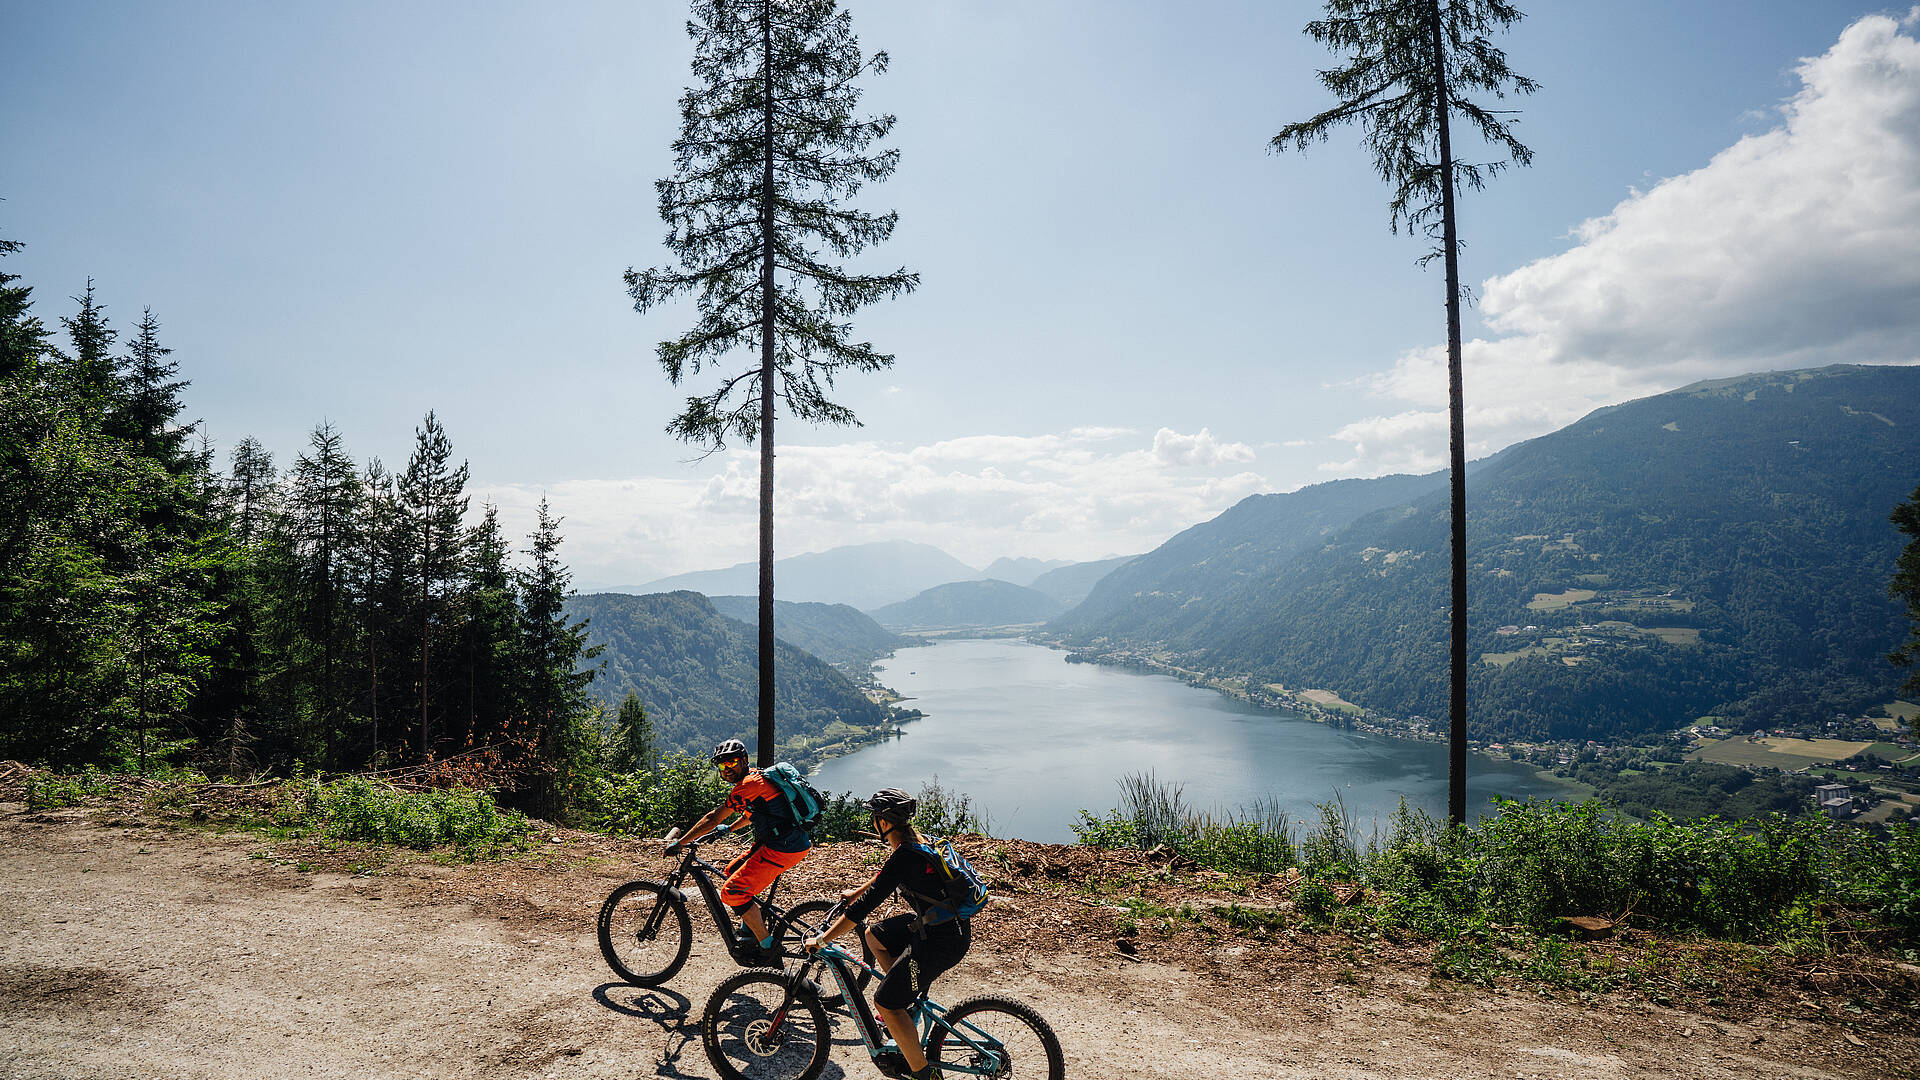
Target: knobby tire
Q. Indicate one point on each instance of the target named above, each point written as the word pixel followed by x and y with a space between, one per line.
pixel 625 915
pixel 734 1025
pixel 1031 1051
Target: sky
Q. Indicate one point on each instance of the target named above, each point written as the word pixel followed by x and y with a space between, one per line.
pixel 1131 314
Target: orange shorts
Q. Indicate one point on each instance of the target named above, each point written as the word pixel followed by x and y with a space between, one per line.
pixel 751 873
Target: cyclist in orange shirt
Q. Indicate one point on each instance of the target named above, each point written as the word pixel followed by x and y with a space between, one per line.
pixel 779 841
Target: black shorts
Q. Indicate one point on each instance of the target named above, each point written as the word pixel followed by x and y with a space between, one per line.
pixel 917 960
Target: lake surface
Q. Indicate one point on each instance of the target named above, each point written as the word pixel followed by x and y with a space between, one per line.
pixel 1034 740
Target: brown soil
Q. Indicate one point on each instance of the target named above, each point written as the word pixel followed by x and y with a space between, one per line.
pixel 136 951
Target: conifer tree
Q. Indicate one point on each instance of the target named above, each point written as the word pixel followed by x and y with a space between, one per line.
pixel 90 376
pixel 552 648
pixel 770 151
pixel 324 506
pixel 489 635
pixel 433 497
pixel 251 496
pixel 632 745
pixel 153 399
pixel 1410 66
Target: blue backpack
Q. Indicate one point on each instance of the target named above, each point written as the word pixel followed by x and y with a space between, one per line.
pixel 963 893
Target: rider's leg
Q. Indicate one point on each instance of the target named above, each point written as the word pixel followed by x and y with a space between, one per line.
pixel 756 923
pixel 900 1025
pixel 751 875
pixel 882 959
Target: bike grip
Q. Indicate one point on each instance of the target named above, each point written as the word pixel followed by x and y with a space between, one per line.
pixel 673 849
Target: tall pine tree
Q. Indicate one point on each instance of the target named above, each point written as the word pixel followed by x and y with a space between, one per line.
pixel 770 151
pixel 1410 66
pixel 433 497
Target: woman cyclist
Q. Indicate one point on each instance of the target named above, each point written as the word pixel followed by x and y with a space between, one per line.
pixel 911 949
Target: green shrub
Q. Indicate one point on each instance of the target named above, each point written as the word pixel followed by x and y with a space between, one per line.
pixel 50 790
pixel 673 794
pixel 357 808
pixel 944 812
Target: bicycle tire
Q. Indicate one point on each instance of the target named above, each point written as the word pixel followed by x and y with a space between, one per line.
pixel 802 920
pixel 625 915
pixel 1023 1037
pixel 734 1024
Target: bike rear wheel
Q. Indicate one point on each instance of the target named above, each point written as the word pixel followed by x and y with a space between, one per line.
pixel 996 1037
pixel 748 1037
pixel 645 932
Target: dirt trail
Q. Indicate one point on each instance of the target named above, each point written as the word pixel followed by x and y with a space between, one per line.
pixel 139 952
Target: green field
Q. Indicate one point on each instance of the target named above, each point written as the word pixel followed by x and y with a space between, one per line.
pixel 1676 635
pixel 1778 753
pixel 1502 659
pixel 1556 601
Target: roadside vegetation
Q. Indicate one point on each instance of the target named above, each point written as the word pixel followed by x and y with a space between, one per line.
pixel 1565 896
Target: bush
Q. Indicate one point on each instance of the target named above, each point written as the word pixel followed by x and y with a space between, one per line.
pixel 673 794
pixel 944 812
pixel 49 790
pixel 356 808
pixel 1775 880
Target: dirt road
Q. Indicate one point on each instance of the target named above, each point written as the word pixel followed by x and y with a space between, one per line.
pixel 139 952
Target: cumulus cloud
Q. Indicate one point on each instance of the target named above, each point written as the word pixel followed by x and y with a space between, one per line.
pixel 1793 248
pixel 1083 494
pixel 1172 448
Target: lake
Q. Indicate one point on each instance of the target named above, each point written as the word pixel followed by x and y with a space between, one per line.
pixel 1034 740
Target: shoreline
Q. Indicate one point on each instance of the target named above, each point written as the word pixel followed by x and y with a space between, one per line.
pixel 1346 715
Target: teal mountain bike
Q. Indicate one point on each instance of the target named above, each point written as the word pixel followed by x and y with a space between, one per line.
pixel 770 1024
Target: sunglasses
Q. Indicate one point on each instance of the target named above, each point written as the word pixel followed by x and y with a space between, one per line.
pixel 727 763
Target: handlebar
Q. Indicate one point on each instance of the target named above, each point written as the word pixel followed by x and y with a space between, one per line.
pixel 674 845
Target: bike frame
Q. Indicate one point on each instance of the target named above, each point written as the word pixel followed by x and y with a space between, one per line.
pixel 927 1014
pixel 703 874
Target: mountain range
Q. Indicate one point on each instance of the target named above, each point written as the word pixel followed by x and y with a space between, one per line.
pixel 697 673
pixel 1723 549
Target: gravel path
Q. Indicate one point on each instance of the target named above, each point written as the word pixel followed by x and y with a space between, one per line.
pixel 138 952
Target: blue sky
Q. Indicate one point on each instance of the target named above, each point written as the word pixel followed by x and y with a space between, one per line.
pixel 1131 316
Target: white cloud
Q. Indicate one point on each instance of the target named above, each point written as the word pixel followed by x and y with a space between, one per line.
pixel 1172 448
pixel 1083 494
pixel 1794 248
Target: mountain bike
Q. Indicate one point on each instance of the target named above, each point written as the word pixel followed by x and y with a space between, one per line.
pixel 770 1024
pixel 646 932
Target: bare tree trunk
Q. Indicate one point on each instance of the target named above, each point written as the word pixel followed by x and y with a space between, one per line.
pixel 1456 412
pixel 764 756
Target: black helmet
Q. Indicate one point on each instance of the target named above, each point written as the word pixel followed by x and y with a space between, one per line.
pixel 892 804
pixel 730 748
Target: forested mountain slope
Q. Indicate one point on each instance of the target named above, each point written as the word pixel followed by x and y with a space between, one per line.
pixel 1720 549
pixel 1072 583
pixel 697 673
pixel 836 633
pixel 966 604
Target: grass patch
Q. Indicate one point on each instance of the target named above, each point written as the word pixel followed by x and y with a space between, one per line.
pixel 1778 753
pixel 1675 635
pixel 1558 601
pixel 1502 659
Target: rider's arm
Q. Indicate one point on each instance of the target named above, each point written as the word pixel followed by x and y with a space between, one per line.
pixel 706 823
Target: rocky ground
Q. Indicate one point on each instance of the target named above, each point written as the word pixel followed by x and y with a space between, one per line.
pixel 137 949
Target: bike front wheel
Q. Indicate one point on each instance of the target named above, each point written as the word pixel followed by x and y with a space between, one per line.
pixel 996 1037
pixel 751 1031
pixel 801 921
pixel 645 932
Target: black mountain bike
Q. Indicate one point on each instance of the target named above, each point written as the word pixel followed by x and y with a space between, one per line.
pixel 646 932
pixel 769 1024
